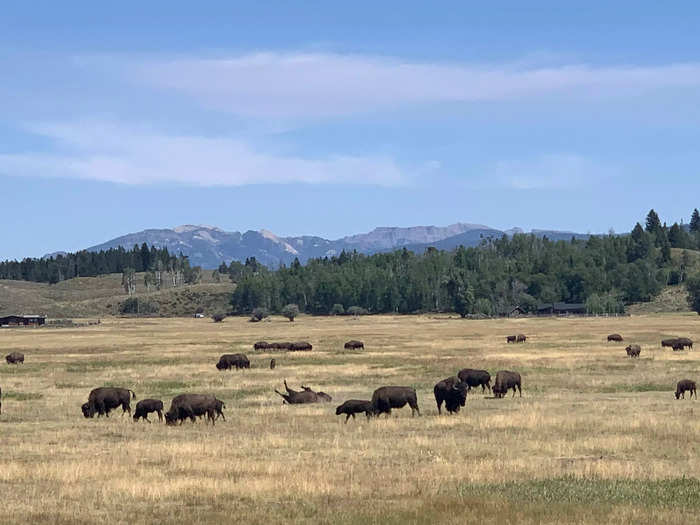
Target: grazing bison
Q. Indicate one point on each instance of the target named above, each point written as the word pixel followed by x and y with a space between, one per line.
pixel 677 346
pixel 354 345
pixel 452 392
pixel 190 406
pixel 354 406
pixel 684 341
pixel 261 345
pixel 306 395
pixel 300 346
pixel 475 378
pixel 505 380
pixel 683 386
pixel 146 406
pixel 273 363
pixel 633 350
pixel 615 337
pixel 229 361
pixel 102 400
pixel 520 338
pixel 511 338
pixel 387 397
pixel 14 358
pixel 669 342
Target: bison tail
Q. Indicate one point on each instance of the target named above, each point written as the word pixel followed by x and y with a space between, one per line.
pixel 133 394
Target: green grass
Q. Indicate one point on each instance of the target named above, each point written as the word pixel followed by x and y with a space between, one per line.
pixel 22 396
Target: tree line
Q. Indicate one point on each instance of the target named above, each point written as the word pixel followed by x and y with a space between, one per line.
pixel 603 272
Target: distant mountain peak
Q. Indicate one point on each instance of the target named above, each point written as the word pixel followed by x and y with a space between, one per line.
pixel 185 228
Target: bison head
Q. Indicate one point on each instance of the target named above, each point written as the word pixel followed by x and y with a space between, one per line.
pixel 220 365
pixel 170 417
pixel 338 410
pixel 460 390
pixel 85 407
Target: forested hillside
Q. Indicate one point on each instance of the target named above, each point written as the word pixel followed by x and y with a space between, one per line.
pixel 604 272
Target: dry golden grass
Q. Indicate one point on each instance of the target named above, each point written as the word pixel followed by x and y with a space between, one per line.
pixel 596 437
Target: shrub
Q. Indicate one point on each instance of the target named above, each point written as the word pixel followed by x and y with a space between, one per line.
pixel 337 309
pixel 290 311
pixel 258 315
pixel 134 305
pixel 693 286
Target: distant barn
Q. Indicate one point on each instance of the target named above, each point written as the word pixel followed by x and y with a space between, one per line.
pixel 22 320
pixel 561 309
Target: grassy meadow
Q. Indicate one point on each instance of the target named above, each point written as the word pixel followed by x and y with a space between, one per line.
pixel 596 438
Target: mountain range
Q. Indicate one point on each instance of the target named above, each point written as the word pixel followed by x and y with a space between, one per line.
pixel 208 246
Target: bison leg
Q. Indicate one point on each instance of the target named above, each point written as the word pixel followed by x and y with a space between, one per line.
pixel 160 415
pixel 439 405
pixel 145 416
pixel 347 416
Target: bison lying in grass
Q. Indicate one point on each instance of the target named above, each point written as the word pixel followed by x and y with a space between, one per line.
pixel 146 406
pixel 306 395
pixel 452 392
pixel 505 380
pixel 229 361
pixel 615 337
pixel 686 385
pixel 633 350
pixel 354 406
pixel 387 397
pixel 102 400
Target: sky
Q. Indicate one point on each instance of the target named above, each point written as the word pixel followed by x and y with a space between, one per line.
pixel 333 118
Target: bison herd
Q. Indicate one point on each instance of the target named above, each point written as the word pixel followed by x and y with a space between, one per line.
pixel 451 392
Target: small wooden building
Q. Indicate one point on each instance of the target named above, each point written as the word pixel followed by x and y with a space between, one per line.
pixel 22 320
pixel 561 309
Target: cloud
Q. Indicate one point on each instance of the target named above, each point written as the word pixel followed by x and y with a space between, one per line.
pixel 128 155
pixel 548 172
pixel 288 85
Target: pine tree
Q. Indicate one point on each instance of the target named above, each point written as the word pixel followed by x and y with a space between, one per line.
pixel 653 223
pixel 695 221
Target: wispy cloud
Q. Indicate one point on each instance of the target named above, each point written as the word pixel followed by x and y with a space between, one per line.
pixel 129 155
pixel 553 172
pixel 272 84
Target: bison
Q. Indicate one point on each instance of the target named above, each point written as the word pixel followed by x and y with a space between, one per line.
pixel 190 406
pixel 475 378
pixel 387 397
pixel 633 350
pixel 306 395
pixel 615 337
pixel 511 338
pixel 146 406
pixel 14 358
pixel 102 400
pixel 505 380
pixel 520 338
pixel 300 346
pixel 354 406
pixel 273 363
pixel 683 386
pixel 354 345
pixel 229 361
pixel 261 345
pixel 684 341
pixel 452 392
pixel 671 342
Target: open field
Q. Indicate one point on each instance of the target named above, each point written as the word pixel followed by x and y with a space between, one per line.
pixel 596 438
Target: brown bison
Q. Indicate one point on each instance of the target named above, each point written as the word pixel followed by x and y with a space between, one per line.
pixel 452 392
pixel 146 406
pixel 511 338
pixel 520 338
pixel 685 385
pixel 354 345
pixel 306 395
pixel 684 341
pixel 615 337
pixel 261 345
pixel 671 342
pixel 354 406
pixel 190 406
pixel 633 350
pixel 387 397
pixel 102 400
pixel 229 361
pixel 505 380
pixel 14 358
pixel 475 378
pixel 300 346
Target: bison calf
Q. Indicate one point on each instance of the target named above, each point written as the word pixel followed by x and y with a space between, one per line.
pixel 146 406
pixel 686 385
pixel 354 406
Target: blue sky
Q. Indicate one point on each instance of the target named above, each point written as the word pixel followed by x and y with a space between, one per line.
pixel 317 118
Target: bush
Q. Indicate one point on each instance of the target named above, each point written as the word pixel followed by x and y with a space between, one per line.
pixel 258 315
pixel 357 310
pixel 134 305
pixel 217 318
pixel 290 311
pixel 337 309
pixel 693 286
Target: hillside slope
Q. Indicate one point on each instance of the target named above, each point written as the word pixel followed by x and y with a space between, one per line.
pixel 100 296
